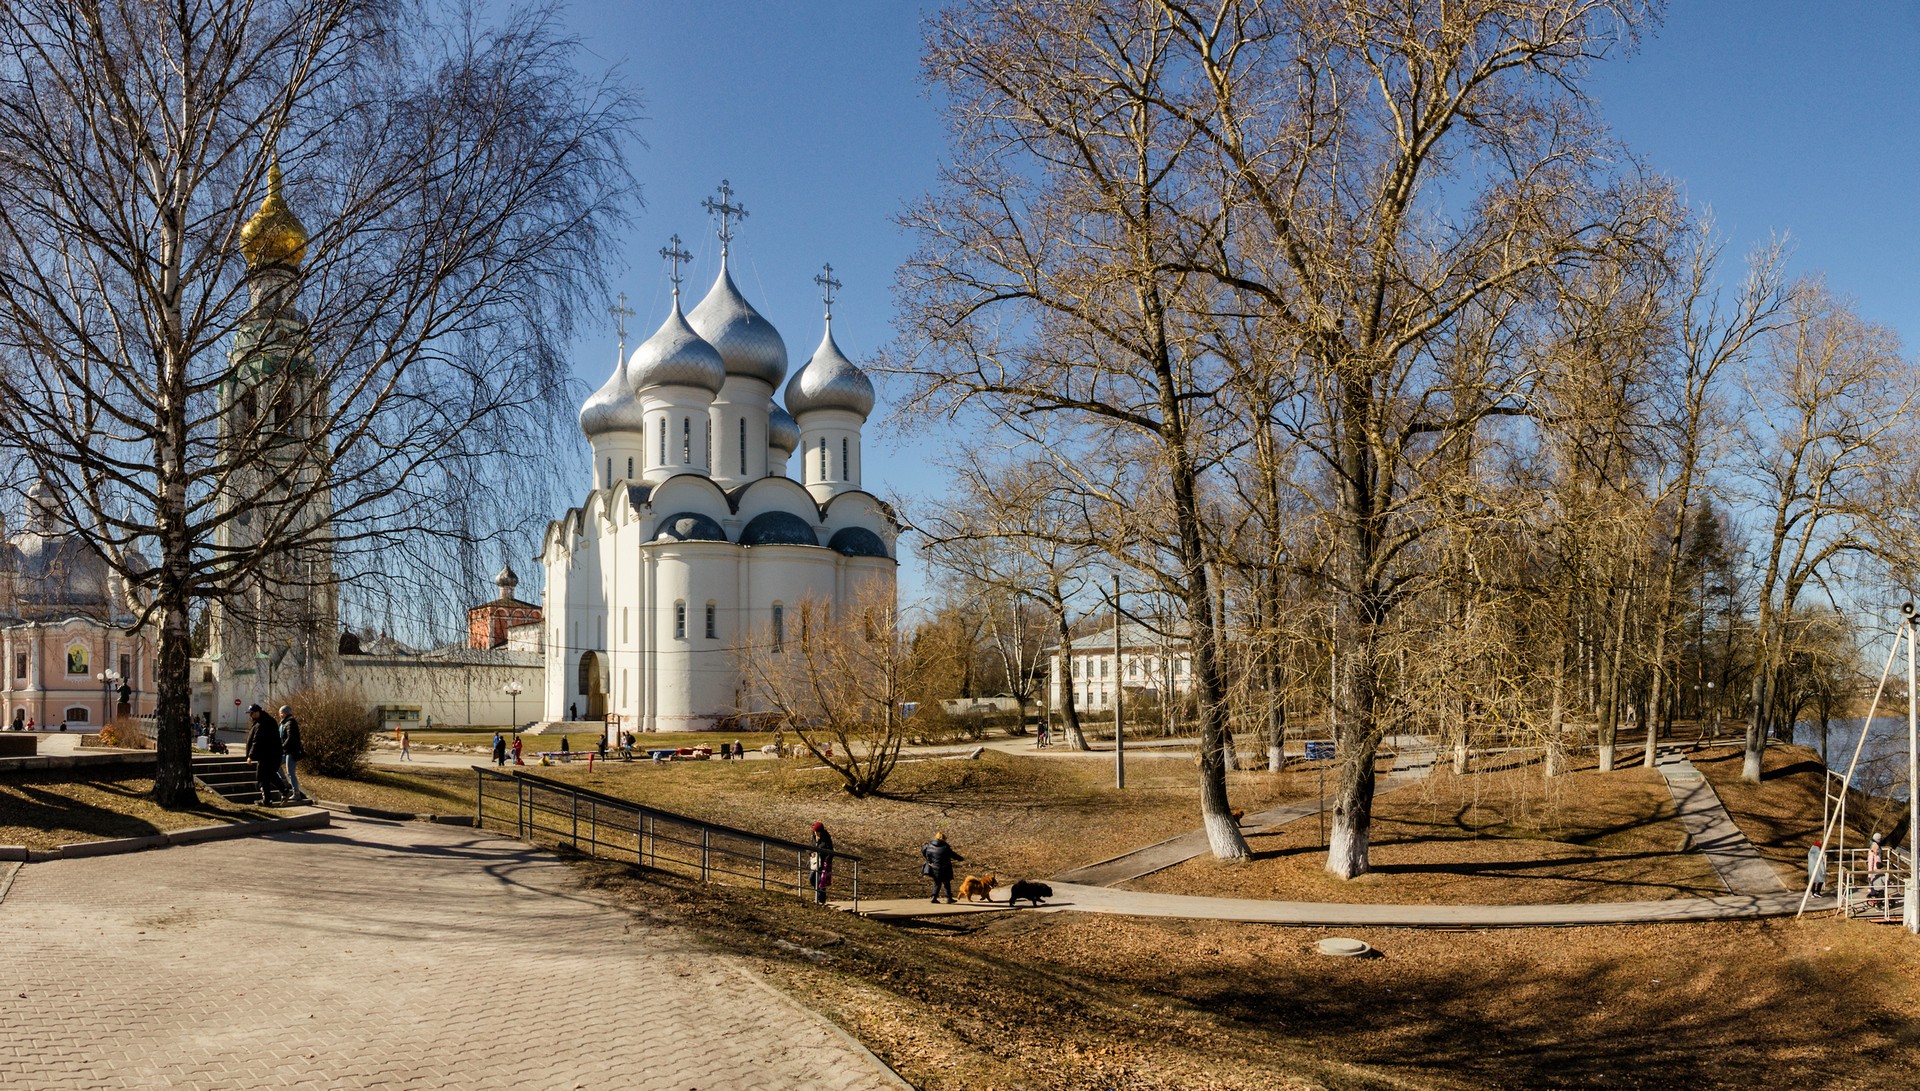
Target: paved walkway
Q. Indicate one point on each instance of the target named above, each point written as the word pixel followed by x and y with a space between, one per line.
pixel 1739 865
pixel 1413 760
pixel 1135 903
pixel 379 954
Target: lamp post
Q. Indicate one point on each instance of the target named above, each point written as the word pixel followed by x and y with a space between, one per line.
pixel 107 678
pixel 513 690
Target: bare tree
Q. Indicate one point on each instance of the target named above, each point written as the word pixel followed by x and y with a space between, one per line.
pixel 1827 452
pixel 839 683
pixel 214 424
pixel 1007 525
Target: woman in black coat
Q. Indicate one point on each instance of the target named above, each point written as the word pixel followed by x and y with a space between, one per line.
pixel 822 862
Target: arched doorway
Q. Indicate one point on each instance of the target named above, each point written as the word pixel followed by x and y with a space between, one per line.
pixel 593 685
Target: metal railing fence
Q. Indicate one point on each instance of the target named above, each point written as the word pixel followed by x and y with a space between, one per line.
pixel 605 826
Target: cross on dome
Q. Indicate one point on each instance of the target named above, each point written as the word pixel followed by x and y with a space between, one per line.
pixel 828 286
pixel 727 212
pixel 621 312
pixel 675 254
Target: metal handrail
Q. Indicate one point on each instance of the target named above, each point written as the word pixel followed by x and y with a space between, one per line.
pixel 607 826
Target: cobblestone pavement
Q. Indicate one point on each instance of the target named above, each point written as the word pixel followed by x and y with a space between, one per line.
pixel 376 954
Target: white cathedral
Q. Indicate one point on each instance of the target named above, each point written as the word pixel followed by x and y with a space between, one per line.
pixel 693 541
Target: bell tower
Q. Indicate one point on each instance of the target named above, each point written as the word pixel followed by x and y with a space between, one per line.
pixel 279 630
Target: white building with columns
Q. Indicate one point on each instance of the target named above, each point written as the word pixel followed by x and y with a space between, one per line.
pixel 692 540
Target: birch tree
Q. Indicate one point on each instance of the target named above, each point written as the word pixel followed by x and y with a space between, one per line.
pixel 447 188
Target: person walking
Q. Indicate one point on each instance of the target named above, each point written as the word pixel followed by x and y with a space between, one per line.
pixel 822 862
pixel 499 750
pixel 263 750
pixel 1816 869
pixel 516 751
pixel 291 751
pixel 1876 874
pixel 406 745
pixel 937 860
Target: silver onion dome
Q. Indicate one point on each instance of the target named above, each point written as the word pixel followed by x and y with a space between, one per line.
pixel 676 356
pixel 748 343
pixel 783 432
pixel 829 381
pixel 614 407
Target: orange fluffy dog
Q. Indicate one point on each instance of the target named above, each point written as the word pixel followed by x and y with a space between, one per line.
pixel 980 885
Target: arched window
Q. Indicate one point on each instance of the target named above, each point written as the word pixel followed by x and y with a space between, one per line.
pixel 623 685
pixel 823 459
pixel 846 464
pixel 713 621
pixel 586 674
pixel 743 446
pixel 679 621
pixel 686 440
pixel 623 625
pixel 779 626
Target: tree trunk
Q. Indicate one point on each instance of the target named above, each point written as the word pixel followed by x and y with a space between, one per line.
pixel 1069 711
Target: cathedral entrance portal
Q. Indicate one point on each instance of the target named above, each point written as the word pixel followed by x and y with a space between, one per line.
pixel 593 684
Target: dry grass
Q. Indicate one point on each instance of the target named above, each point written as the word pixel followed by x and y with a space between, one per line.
pixel 427 791
pixel 1084 1002
pixel 44 810
pixel 1502 837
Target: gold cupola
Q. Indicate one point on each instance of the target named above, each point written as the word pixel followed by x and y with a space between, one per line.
pixel 274 236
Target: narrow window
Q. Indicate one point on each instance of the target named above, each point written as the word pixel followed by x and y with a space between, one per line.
pixel 1105 664
pixel 663 441
pixel 823 460
pixel 686 439
pixel 743 446
pixel 609 479
pixel 623 685
pixel 846 468
pixel 629 469
pixel 623 625
pixel 126 668
pixel 679 621
pixel 706 438
pixel 20 665
pixel 713 622
pixel 779 626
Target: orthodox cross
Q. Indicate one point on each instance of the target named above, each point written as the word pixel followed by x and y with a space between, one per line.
pixel 728 213
pixel 621 312
pixel 675 254
pixel 828 286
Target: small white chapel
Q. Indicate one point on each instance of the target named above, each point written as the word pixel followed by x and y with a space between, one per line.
pixel 693 539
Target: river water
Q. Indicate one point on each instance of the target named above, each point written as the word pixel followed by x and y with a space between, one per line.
pixel 1883 760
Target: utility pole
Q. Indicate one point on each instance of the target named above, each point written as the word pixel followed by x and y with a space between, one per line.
pixel 1910 909
pixel 1119 734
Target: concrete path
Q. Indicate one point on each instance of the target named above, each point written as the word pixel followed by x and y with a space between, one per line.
pixel 380 954
pixel 1413 760
pixel 1134 903
pixel 1739 865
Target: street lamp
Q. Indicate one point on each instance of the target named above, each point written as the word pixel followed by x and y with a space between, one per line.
pixel 106 679
pixel 513 690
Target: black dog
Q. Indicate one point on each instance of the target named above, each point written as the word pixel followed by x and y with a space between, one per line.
pixel 1031 891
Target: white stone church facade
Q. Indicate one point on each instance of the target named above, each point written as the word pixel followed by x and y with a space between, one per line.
pixel 692 542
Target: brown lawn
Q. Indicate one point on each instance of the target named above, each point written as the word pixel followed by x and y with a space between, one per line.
pixel 49 808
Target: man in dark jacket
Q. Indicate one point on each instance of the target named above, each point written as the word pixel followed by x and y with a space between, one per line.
pixel 291 751
pixel 938 859
pixel 263 749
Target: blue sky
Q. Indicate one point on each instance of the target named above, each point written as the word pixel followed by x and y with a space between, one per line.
pixel 1782 116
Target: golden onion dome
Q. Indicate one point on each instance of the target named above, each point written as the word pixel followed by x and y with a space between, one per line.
pixel 274 236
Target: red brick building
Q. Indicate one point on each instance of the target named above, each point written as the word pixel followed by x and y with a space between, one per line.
pixel 487 624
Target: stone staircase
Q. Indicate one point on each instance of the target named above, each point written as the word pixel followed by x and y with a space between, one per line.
pixel 229 776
